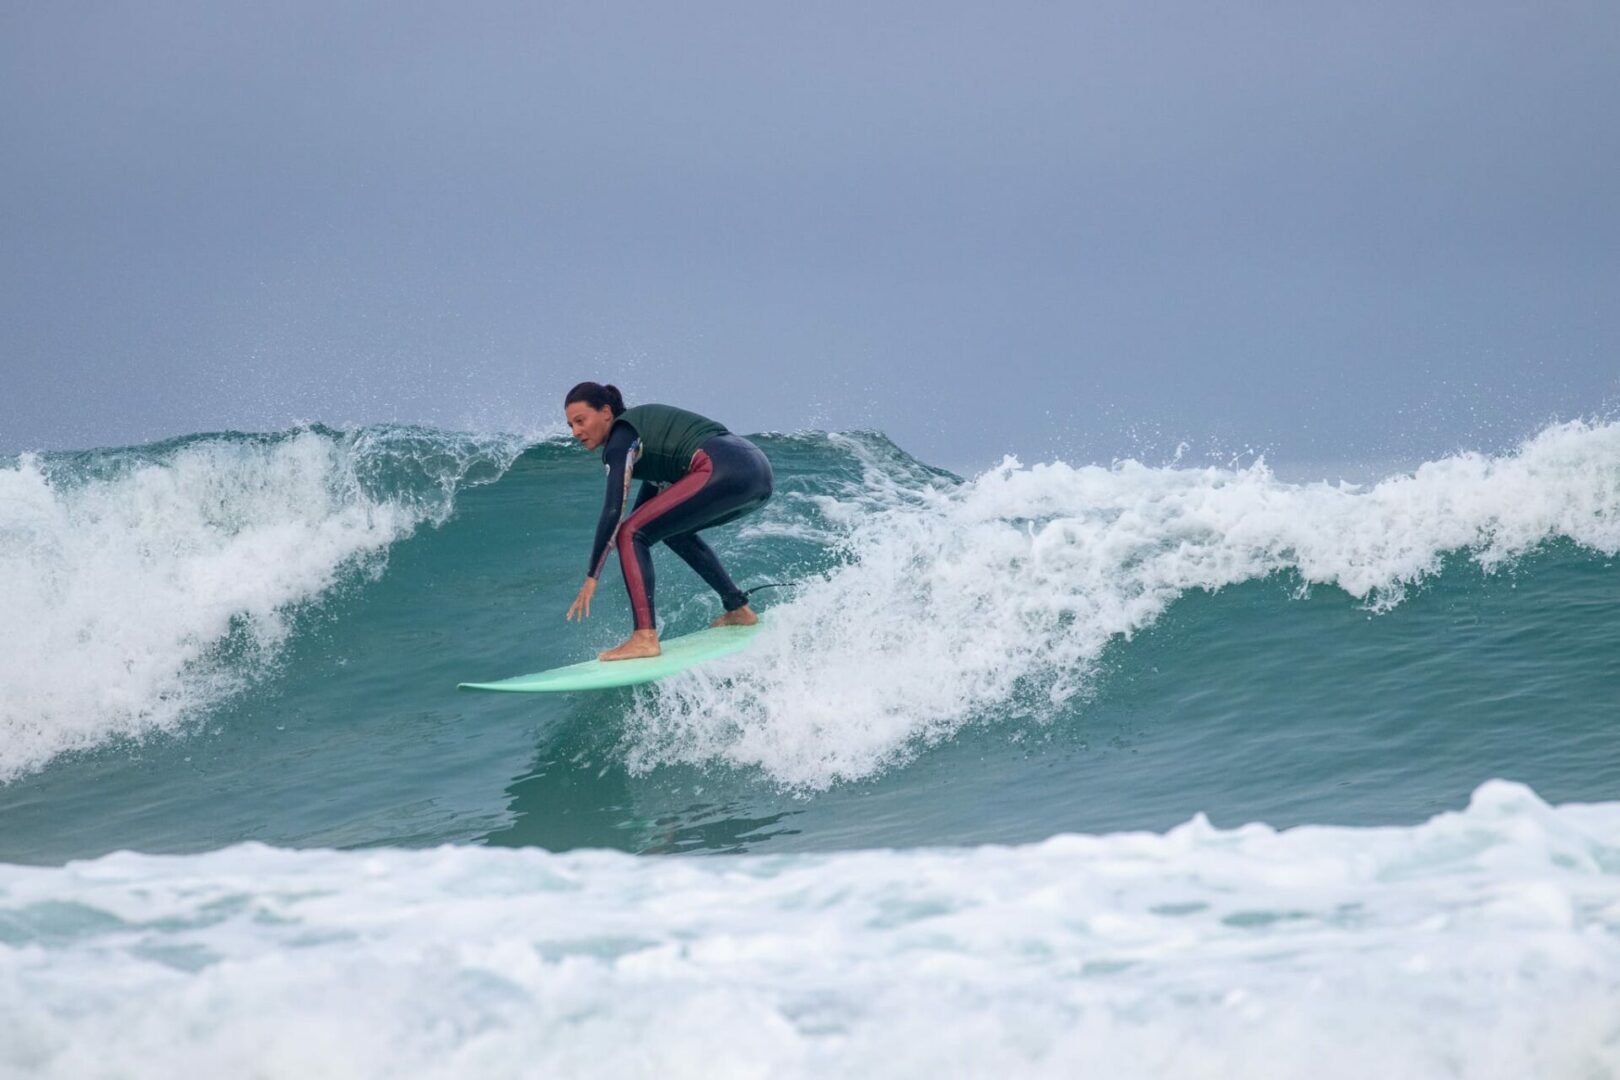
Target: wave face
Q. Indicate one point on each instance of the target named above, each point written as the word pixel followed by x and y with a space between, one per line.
pixel 146 585
pixel 1481 943
pixel 201 634
pixel 958 601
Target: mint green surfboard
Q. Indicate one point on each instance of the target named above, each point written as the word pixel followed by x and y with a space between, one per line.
pixel 679 654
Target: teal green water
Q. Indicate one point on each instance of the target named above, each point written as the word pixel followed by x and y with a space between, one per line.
pixel 1259 700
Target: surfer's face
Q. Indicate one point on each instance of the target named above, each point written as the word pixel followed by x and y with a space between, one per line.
pixel 590 426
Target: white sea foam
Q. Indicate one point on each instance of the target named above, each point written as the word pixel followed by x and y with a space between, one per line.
pixel 954 599
pixel 1484 943
pixel 120 590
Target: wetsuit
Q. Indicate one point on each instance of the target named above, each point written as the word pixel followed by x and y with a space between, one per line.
pixel 695 475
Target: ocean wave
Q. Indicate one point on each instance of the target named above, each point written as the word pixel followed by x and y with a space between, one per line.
pixel 951 599
pixel 147 586
pixel 1482 943
pixel 144 585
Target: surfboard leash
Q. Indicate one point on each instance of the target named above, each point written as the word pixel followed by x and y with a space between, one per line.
pixel 768 585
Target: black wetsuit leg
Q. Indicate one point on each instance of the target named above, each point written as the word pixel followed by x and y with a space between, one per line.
pixel 730 476
pixel 697 554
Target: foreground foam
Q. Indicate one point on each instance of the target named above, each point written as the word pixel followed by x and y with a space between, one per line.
pixel 1007 588
pixel 1482 943
pixel 144 585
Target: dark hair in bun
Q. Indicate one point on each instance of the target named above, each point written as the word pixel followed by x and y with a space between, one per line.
pixel 596 395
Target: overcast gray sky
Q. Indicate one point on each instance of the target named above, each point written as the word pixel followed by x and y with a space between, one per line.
pixel 1081 230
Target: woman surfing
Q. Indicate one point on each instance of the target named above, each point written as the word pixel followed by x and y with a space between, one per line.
pixel 694 475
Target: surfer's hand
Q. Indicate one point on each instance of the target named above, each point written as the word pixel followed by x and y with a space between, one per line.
pixel 582 603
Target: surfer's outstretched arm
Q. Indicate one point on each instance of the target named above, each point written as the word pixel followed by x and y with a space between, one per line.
pixel 619 453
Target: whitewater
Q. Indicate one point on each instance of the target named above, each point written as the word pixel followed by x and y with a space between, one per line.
pixel 1127 768
pixel 1485 943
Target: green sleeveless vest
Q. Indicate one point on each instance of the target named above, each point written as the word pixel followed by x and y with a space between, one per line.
pixel 669 438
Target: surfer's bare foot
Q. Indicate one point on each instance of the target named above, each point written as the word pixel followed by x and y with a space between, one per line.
pixel 743 616
pixel 641 643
